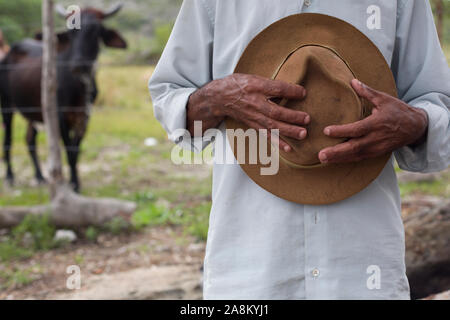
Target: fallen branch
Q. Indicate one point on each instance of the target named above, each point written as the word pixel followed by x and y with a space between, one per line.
pixel 70 210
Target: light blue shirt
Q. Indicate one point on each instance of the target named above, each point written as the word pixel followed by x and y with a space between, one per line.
pixel 263 247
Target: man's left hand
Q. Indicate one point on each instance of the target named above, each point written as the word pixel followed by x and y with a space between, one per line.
pixel 392 125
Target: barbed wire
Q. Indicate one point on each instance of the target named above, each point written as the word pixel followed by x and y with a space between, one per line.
pixel 104 148
pixel 36 109
pixel 11 66
pixel 38 27
pixel 59 25
pixel 65 109
pixel 66 148
pixel 26 110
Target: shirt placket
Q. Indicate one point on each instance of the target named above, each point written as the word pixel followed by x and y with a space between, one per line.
pixel 315 223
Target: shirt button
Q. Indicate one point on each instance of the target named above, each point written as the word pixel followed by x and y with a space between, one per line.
pixel 315 273
pixel 307 3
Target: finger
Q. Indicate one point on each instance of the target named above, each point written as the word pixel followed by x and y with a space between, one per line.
pixel 350 130
pixel 349 151
pixel 287 130
pixel 367 92
pixel 277 112
pixel 281 89
pixel 280 143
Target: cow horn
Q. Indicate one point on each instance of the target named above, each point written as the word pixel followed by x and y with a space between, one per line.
pixel 59 8
pixel 112 11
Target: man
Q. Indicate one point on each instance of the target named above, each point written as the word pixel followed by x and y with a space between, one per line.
pixel 263 247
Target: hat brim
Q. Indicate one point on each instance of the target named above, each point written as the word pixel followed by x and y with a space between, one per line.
pixel 331 183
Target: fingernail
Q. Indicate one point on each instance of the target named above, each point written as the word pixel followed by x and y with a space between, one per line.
pixel 307 119
pixel 287 149
pixel 323 157
pixel 303 134
pixel 357 82
pixel 327 131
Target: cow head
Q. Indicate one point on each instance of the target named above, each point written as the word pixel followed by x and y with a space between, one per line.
pixel 82 46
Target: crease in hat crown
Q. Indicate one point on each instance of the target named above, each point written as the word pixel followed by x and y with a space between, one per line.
pixel 330 99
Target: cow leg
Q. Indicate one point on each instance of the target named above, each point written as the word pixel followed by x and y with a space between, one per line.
pixel 73 153
pixel 72 145
pixel 32 149
pixel 7 116
pixel 73 161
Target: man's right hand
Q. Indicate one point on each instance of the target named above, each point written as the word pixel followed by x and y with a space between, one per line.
pixel 247 98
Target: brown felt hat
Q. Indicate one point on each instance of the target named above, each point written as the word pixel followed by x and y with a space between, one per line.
pixel 323 54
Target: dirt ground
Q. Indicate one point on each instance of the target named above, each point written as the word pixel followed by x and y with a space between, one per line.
pixel 159 263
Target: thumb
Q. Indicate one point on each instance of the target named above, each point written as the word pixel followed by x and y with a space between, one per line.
pixel 367 92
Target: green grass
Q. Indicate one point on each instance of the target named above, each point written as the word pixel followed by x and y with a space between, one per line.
pixel 26 196
pixel 12 277
pixel 195 220
pixel 33 234
pixel 9 250
pixel 440 188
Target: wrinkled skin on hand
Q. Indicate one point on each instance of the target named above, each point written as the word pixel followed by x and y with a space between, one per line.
pixel 247 98
pixel 392 125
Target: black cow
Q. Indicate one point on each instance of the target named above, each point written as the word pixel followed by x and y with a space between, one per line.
pixel 20 85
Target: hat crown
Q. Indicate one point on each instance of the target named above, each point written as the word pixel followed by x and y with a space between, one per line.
pixel 330 99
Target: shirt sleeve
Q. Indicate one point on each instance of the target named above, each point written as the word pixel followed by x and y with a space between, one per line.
pixel 423 81
pixel 185 66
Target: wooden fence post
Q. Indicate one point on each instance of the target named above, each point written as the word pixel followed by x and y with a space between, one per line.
pixel 49 97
